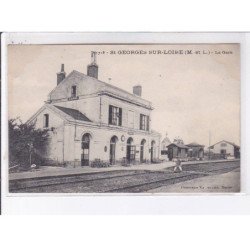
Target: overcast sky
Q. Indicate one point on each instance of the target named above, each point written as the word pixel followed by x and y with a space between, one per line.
pixel 191 94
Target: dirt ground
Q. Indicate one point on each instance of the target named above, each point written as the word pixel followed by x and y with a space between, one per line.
pixel 227 182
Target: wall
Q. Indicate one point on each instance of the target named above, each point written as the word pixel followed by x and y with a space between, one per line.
pixel 126 108
pixel 85 86
pixel 217 148
pixel 91 104
pixel 100 138
pixel 54 152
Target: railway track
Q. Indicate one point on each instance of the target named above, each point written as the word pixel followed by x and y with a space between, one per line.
pixel 143 187
pixel 119 181
pixel 59 180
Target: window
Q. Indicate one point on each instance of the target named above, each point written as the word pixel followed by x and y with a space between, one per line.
pixel 73 91
pixel 115 115
pixel 144 122
pixel 46 120
pixel 132 152
pixel 223 144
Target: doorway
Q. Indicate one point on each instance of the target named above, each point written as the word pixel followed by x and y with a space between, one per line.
pixel 142 151
pixel 113 142
pixel 85 150
pixel 152 151
pixel 130 151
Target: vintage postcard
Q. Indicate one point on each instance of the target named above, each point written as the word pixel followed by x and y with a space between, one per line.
pixel 124 118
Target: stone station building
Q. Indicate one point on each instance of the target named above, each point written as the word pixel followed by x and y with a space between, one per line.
pixel 90 120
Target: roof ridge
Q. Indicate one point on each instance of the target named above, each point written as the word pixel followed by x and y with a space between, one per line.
pixel 111 85
pixel 232 143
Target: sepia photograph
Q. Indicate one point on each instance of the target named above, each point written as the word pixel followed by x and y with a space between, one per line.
pixel 124 118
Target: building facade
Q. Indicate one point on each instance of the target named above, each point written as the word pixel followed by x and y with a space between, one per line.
pixel 195 151
pixel 225 149
pixel 176 150
pixel 165 142
pixel 90 120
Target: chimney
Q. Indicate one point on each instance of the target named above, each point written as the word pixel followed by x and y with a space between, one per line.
pixel 137 90
pixel 61 75
pixel 92 69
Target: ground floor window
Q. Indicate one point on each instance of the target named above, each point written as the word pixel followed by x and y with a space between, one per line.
pixel 131 150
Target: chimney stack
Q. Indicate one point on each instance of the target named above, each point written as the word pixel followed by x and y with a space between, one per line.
pixel 137 90
pixel 92 69
pixel 61 75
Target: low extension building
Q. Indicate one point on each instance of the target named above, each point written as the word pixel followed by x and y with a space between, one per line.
pixel 224 149
pixel 195 151
pixel 91 120
pixel 177 150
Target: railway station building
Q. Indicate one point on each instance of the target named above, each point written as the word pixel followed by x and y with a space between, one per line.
pixel 90 120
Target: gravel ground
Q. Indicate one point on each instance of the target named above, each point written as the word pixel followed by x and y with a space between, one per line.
pixel 136 181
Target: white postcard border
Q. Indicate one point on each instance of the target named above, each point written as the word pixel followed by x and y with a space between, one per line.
pixel 130 204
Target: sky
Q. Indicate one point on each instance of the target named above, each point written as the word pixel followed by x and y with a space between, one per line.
pixel 192 94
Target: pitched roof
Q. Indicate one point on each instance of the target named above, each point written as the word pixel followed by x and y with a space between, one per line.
pixel 75 114
pixel 194 144
pixel 178 145
pixel 166 140
pixel 106 87
pixel 233 144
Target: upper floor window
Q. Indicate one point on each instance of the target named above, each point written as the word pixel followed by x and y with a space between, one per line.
pixel 73 91
pixel 223 144
pixel 46 120
pixel 144 122
pixel 115 115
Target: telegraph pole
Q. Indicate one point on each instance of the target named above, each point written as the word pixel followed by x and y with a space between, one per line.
pixel 209 145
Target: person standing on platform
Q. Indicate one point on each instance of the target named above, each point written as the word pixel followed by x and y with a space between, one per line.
pixel 178 167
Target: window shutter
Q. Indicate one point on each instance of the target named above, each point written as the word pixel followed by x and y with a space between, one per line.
pixel 140 121
pixel 120 116
pixel 110 114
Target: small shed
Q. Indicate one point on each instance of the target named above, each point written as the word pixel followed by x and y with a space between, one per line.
pixel 177 150
pixel 195 150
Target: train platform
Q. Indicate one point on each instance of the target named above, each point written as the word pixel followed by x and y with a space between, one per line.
pixel 52 171
pixel 46 171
